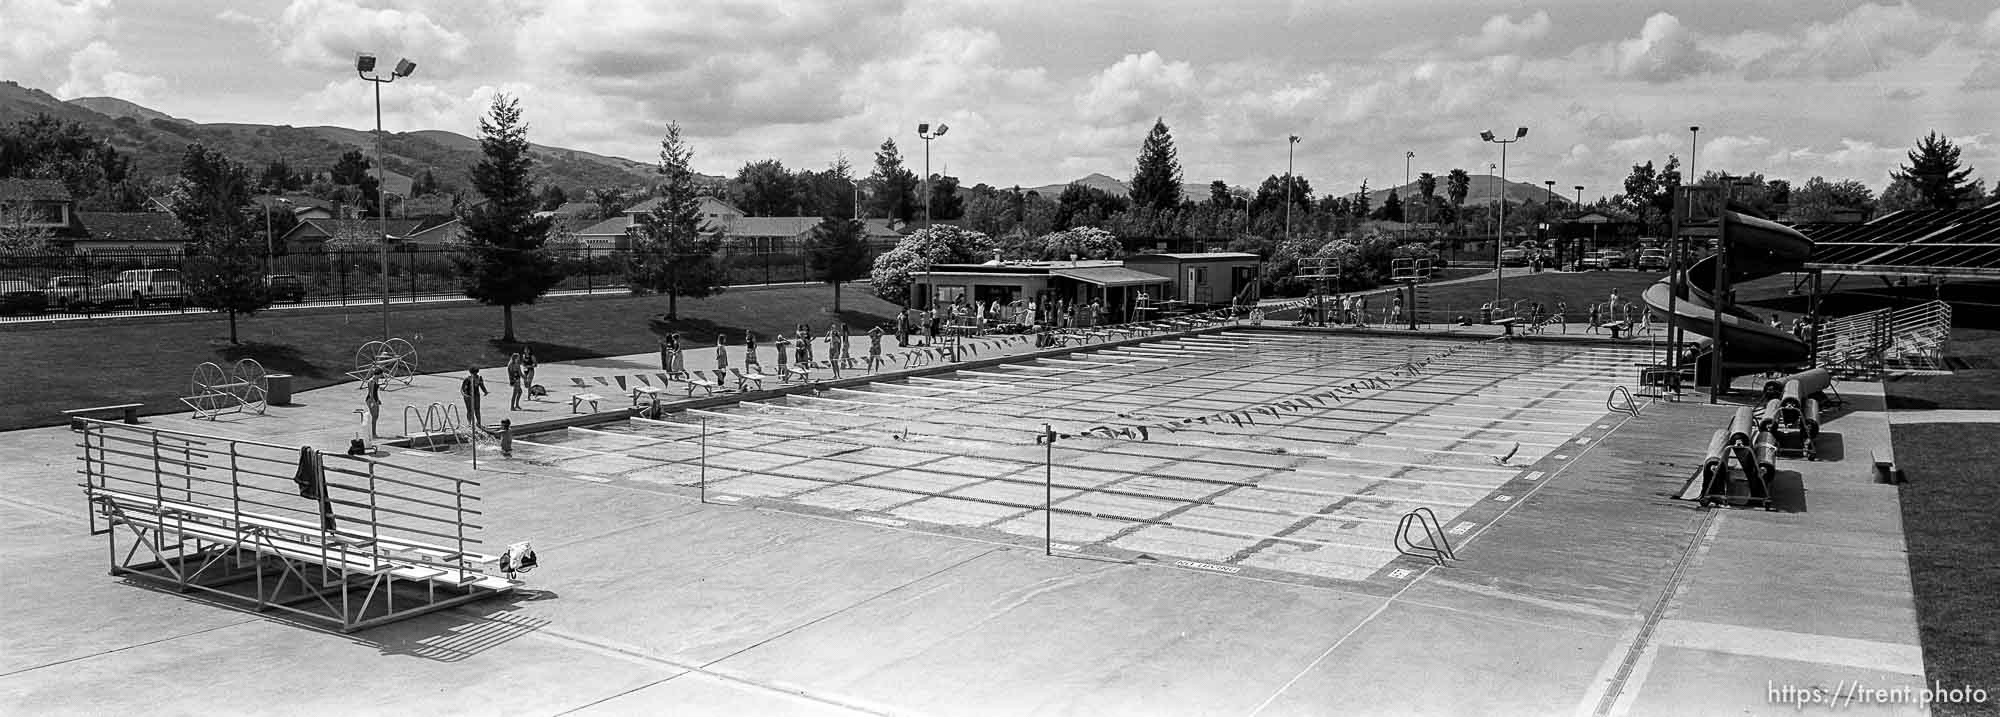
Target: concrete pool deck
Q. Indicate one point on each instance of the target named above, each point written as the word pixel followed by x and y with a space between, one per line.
pixel 1588 592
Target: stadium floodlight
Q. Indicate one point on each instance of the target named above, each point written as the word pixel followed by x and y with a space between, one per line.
pixel 405 67
pixel 364 63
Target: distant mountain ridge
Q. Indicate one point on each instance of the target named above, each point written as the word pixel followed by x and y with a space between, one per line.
pixel 155 141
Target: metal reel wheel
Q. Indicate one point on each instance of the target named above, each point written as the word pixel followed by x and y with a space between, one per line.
pixel 258 388
pixel 206 375
pixel 365 357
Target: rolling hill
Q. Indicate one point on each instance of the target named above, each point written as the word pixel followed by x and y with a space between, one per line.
pixel 155 141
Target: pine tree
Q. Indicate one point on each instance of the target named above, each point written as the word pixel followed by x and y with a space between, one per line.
pixel 1935 172
pixel 506 262
pixel 1156 182
pixel 222 272
pixel 837 253
pixel 895 187
pixel 670 253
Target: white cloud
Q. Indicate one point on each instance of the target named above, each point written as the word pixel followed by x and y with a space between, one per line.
pixel 1985 76
pixel 1501 33
pixel 1664 51
pixel 327 34
pixel 93 71
pixel 1866 39
pixel 1137 88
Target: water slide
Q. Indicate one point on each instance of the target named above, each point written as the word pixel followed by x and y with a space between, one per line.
pixel 1757 248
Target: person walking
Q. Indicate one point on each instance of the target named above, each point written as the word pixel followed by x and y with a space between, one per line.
pixel 1395 313
pixel 903 328
pixel 528 364
pixel 721 360
pixel 874 348
pixel 371 399
pixel 846 345
pixel 514 381
pixel 471 388
pixel 924 322
pixel 805 357
pixel 1595 318
pixel 1361 310
pixel 679 362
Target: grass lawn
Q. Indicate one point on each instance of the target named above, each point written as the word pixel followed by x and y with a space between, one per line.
pixel 77 364
pixel 1578 289
pixel 1951 515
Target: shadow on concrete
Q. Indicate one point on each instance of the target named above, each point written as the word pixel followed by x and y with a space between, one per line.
pixel 1829 447
pixel 275 358
pixel 1788 492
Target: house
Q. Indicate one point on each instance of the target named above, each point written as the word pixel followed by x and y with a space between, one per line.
pixel 129 233
pixel 615 232
pixel 1202 278
pixel 36 203
pixel 440 233
pixel 319 235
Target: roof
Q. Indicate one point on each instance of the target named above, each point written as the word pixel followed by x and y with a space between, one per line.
pixel 1200 256
pixel 33 190
pixel 771 226
pixel 131 227
pixel 364 229
pixel 1932 241
pixel 1109 276
pixel 615 226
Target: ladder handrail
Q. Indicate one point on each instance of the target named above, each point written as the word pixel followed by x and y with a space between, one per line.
pixel 1610 401
pixel 1437 548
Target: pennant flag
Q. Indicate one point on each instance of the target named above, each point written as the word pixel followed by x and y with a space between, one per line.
pixel 1237 419
pixel 1202 419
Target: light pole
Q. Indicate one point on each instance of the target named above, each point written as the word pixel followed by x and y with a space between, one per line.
pixel 1579 199
pixel 1407 156
pixel 363 65
pixel 1290 142
pixel 1500 232
pixel 924 130
pixel 1694 144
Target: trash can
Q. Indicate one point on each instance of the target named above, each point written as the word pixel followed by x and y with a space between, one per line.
pixel 1486 313
pixel 279 389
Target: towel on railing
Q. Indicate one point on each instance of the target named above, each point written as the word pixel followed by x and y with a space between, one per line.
pixel 311 479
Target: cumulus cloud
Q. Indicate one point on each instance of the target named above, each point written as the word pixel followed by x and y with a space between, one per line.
pixel 1866 39
pixel 1136 88
pixel 1664 51
pixel 1501 33
pixel 94 70
pixel 327 34
pixel 1986 76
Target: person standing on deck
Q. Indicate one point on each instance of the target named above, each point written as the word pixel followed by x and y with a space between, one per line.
pixel 783 345
pixel 750 362
pixel 903 328
pixel 874 348
pixel 833 357
pixel 470 389
pixel 528 364
pixel 371 398
pixel 514 381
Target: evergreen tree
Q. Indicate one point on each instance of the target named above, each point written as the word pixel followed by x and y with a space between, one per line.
pixel 1392 208
pixel 1156 182
pixel 1427 187
pixel 507 261
pixel 277 178
pixel 1935 172
pixel 946 204
pixel 670 254
pixel 354 170
pixel 1218 194
pixel 837 254
pixel 427 184
pixel 895 187
pixel 764 188
pixel 222 272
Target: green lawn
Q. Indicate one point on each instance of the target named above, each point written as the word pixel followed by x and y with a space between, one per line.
pixel 1951 515
pixel 1578 289
pixel 77 364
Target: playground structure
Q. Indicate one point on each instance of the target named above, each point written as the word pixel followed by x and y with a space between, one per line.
pixel 214 391
pixel 395 358
pixel 346 541
pixel 1700 299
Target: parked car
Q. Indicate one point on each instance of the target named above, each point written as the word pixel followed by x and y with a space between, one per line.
pixel 22 297
pixel 69 293
pixel 1612 259
pixel 141 287
pixel 1513 257
pixel 1590 260
pixel 1652 260
pixel 285 287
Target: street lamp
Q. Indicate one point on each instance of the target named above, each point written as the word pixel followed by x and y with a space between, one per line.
pixel 1500 232
pixel 364 64
pixel 925 131
pixel 1579 198
pixel 1694 142
pixel 1292 141
pixel 1407 156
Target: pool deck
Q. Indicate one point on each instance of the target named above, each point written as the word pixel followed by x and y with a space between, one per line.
pixel 1591 592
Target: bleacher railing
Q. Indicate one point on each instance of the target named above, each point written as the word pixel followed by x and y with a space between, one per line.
pixel 201 504
pixel 1869 340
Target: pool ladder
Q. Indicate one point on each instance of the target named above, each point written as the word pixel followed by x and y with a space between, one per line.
pixel 1612 402
pixel 435 420
pixel 1435 548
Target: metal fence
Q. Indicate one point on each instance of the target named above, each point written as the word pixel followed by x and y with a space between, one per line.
pixel 338 277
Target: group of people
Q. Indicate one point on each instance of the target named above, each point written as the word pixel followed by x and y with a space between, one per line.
pixel 1352 310
pixel 837 345
pixel 471 389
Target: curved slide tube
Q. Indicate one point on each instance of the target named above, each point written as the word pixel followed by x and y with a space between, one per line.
pixel 1757 248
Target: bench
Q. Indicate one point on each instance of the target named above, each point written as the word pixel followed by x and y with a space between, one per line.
pixel 744 379
pixel 1617 327
pixel 1507 324
pixel 130 411
pixel 797 372
pixel 576 401
pixel 295 531
pixel 1884 466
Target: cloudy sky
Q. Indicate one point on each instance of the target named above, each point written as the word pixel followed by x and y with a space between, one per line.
pixel 1042 92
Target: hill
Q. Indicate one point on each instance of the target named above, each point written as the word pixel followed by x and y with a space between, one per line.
pixel 1096 180
pixel 115 108
pixel 155 141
